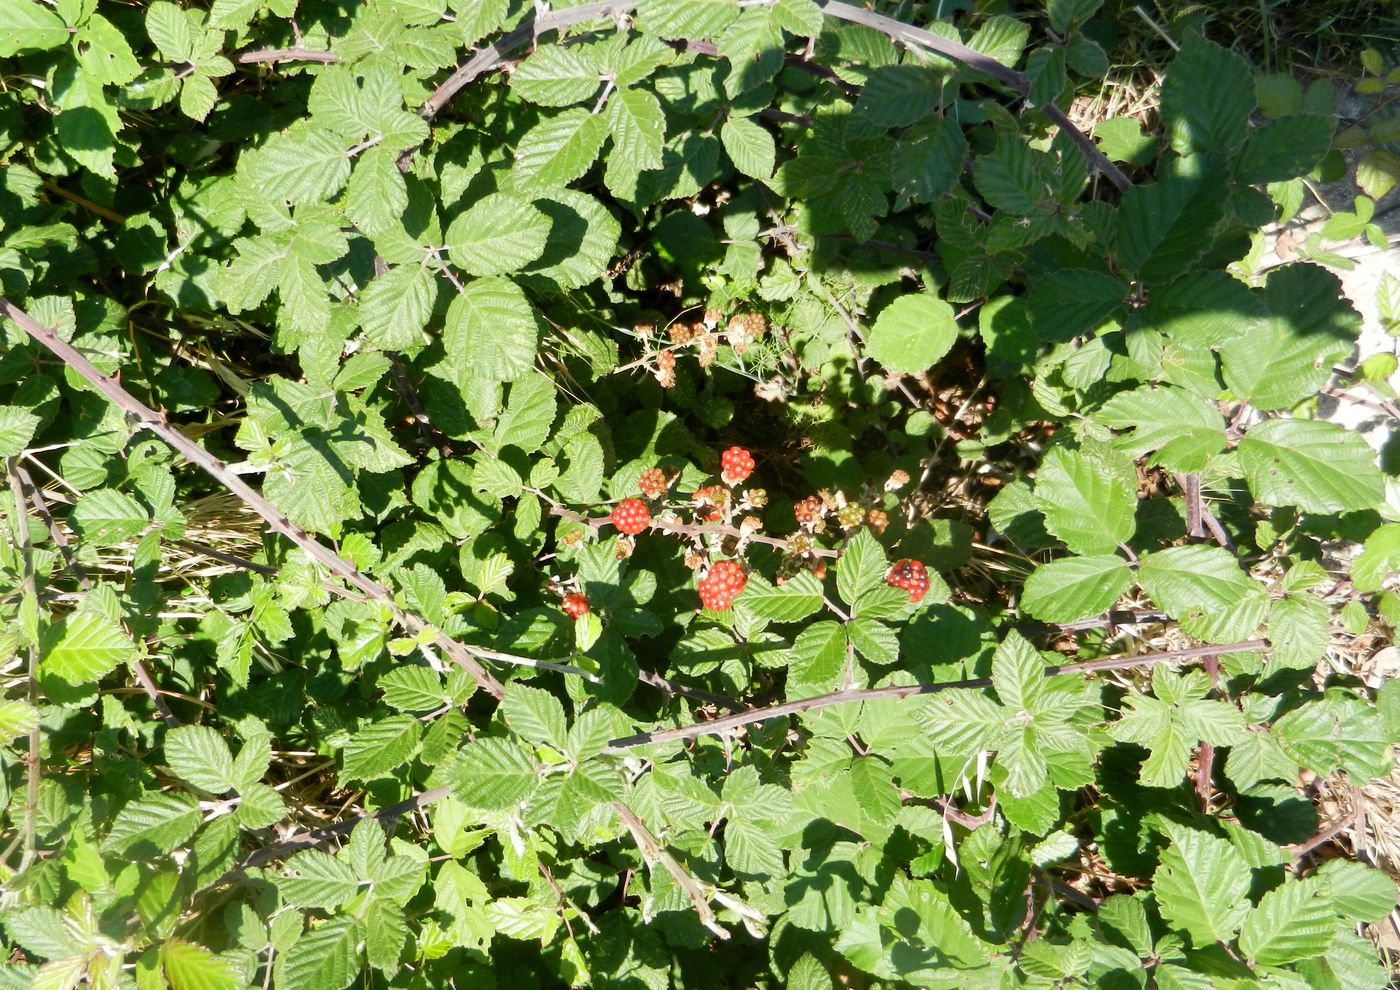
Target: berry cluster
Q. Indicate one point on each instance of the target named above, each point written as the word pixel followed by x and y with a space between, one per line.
pixel 575 605
pixel 724 582
pixel 808 511
pixel 910 576
pixel 631 516
pixel 736 464
pixel 652 483
pixel 709 502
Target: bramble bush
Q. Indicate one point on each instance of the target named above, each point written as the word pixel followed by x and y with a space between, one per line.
pixel 670 494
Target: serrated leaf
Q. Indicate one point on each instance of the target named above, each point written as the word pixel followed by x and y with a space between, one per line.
pixel 413 689
pixel 1010 178
pixel 16 719
pixel 1313 465
pixel 1201 886
pixel 492 330
pixel 1286 147
pixel 861 567
pixel 1378 172
pixel 638 128
pixel 17 426
pixel 107 517
pixel 1200 581
pixel 535 715
pixel 152 825
pixel 749 146
pixel 1184 429
pixel 1076 587
pixel 692 19
pixel 198 755
pixel 84 647
pixel 1289 356
pixel 1298 632
pixel 315 879
pixel 1086 503
pixel 1207 97
pixel 380 748
pixel 1360 893
pixel 193 967
pixel 559 149
pixel 325 958
pixel 493 774
pixel 26 25
pixel 500 233
pixel 395 307
pixel 1293 921
pixel 912 333
pixel 1379 560
pixel 528 415
pixel 817 660
pixel 303 169
pixel 797 598
pixel 557 76
pixel 898 95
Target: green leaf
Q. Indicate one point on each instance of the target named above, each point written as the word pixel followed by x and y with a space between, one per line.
pixel 380 748
pixel 1159 227
pixel 108 517
pixel 1293 921
pixel 1286 147
pixel 1086 501
pixel 499 234
pixel 898 95
pixel 395 307
pixel 693 19
pixel 912 333
pixel 1379 560
pixel 26 25
pixel 1378 172
pixel 1010 178
pixel 377 194
pixel 817 660
pixel 1359 893
pixel 493 774
pixel 1205 585
pixel 413 689
pixel 638 128
pixel 1289 357
pixel 17 718
pixel 84 647
pixel 556 76
pixel 325 958
pixel 559 149
pixel 315 879
pixel 749 146
pixel 1067 14
pixel 1201 886
pixel 582 239
pixel 1298 632
pixel 528 415
pixel 1184 429
pixel 193 967
pixel 305 168
pixel 198 755
pixel 861 568
pixel 795 599
pixel 17 426
pixel 1076 587
pixel 535 715
pixel 153 825
pixel 1312 465
pixel 1122 140
pixel 1207 97
pixel 1018 674
pixel 492 330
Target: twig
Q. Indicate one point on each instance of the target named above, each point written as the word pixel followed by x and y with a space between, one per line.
pixel 159 424
pixel 693 529
pixel 721 725
pixel 84 202
pixel 409 394
pixel 653 852
pixel 1305 848
pixel 287 55
pixel 32 762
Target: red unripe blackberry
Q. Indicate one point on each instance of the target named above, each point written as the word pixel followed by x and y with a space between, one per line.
pixel 631 516
pixel 877 520
pixel 808 511
pixel 722 584
pixel 652 483
pixel 910 576
pixel 575 605
pixel 709 502
pixel 736 464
